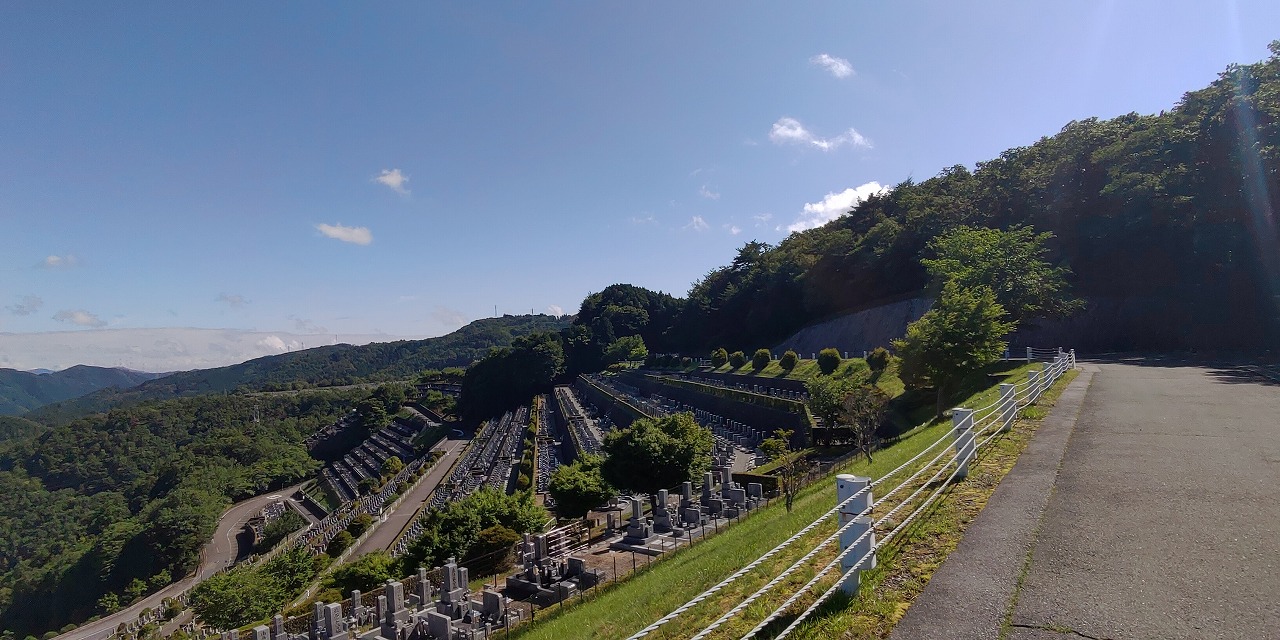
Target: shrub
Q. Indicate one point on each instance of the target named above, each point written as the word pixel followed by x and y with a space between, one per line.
pixel 878 359
pixel 719 357
pixel 761 359
pixel 737 359
pixel 828 360
pixel 788 361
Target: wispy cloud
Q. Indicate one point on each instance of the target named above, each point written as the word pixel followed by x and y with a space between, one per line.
pixel 79 317
pixel 733 229
pixel 233 300
pixel 451 318
pixel 393 179
pixel 555 310
pixel 58 262
pixel 838 67
pixel 697 224
pixel 644 219
pixel 707 193
pixel 354 235
pixel 28 306
pixel 762 218
pixel 833 206
pixel 306 326
pixel 790 131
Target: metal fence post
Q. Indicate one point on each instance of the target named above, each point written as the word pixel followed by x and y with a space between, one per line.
pixel 962 431
pixel 848 486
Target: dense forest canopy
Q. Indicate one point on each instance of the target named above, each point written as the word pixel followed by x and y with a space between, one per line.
pixel 123 501
pixel 22 390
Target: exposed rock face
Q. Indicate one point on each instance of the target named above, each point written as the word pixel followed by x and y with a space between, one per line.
pixel 858 331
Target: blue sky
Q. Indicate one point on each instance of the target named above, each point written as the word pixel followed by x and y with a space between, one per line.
pixel 401 168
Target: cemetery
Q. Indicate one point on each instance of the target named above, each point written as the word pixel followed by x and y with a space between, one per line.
pixel 365 462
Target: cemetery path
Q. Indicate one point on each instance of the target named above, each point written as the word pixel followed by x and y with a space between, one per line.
pixel 1160 522
pixel 219 553
pixel 388 528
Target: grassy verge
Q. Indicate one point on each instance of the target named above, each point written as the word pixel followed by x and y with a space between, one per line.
pixel 805 369
pixel 908 562
pixel 621 610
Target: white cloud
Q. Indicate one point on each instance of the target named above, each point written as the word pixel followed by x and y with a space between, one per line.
pixel 28 306
pixel 555 310
pixel 394 179
pixel 707 193
pixel 80 317
pixel 697 224
pixel 834 205
pixel 838 67
pixel 58 262
pixel 233 300
pixel 275 344
pixel 762 217
pixel 354 235
pixel 645 219
pixel 790 131
pixel 733 229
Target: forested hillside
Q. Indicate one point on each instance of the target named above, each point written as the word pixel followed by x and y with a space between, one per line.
pixel 22 391
pixel 118 504
pixel 1173 213
pixel 320 367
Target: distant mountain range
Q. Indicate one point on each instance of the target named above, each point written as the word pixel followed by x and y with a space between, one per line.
pixel 322 366
pixel 21 391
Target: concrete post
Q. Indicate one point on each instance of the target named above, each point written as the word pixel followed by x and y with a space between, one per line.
pixel 1009 406
pixel 1072 356
pixel 962 431
pixel 1030 357
pixel 848 486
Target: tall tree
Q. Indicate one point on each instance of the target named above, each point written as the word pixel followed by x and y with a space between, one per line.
pixel 863 410
pixel 962 333
pixel 655 454
pixel 1011 263
pixel 579 487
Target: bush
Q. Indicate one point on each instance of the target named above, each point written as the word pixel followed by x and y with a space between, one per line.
pixel 878 359
pixel 719 357
pixel 761 359
pixel 828 360
pixel 340 543
pixel 788 361
pixel 737 359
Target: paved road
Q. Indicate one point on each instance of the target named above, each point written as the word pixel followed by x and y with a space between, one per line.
pixel 220 552
pixel 1164 517
pixel 386 529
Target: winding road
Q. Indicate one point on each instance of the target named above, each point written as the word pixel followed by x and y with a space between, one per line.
pixel 219 553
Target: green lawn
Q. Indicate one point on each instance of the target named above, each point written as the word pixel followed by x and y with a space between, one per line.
pixel 622 610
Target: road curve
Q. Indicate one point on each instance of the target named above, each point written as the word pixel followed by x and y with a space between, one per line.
pixel 219 553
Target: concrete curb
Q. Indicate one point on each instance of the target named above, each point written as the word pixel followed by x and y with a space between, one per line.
pixel 969 595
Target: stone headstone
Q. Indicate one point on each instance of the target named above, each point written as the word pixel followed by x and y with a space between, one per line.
pixel 261 632
pixel 439 626
pixel 755 490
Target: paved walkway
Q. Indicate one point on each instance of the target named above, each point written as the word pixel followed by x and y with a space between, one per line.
pixel 390 526
pixel 1162 521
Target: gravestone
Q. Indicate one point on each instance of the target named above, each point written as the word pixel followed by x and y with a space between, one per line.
pixel 661 519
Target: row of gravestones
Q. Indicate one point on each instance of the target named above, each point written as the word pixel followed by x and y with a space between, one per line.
pixel 450 614
pixel 729 502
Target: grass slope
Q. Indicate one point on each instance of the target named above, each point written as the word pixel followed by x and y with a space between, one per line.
pixel 625 609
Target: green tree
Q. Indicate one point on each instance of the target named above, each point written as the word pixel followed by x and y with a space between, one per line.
pixel 788 361
pixel 655 454
pixel 359 525
pixel 579 487
pixel 719 357
pixel 626 349
pixel 737 359
pixel 828 360
pixel 863 410
pixel 365 573
pixel 392 466
pixel 340 543
pixel 826 396
pixel 789 466
pixel 761 359
pixel 1011 263
pixel 878 359
pixel 962 333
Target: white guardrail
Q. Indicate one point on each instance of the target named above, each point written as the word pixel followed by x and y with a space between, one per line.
pixel 857 531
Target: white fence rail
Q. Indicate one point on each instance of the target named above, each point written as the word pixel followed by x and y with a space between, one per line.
pixel 972 430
